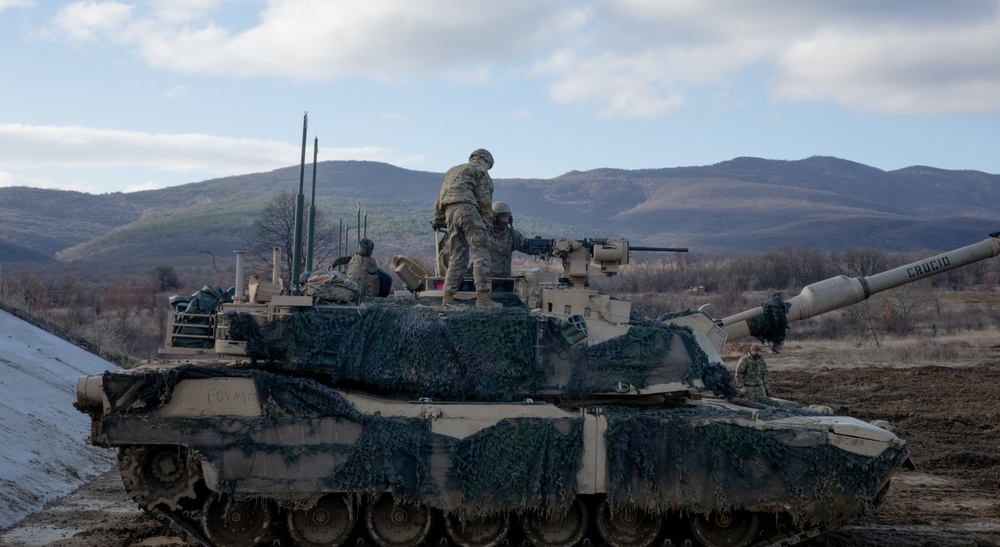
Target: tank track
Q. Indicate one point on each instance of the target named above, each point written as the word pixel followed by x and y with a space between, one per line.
pixel 167 485
pixel 185 524
pixel 783 540
pixel 173 519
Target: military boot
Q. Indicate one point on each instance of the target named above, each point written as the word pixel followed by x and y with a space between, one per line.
pixel 483 300
pixel 448 299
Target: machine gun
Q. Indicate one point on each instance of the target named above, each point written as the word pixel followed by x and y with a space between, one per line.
pixel 608 254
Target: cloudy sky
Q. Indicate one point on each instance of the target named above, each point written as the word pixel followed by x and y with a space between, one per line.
pixel 105 96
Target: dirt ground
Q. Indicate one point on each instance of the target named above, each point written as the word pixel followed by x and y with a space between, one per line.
pixel 948 412
pixel 949 415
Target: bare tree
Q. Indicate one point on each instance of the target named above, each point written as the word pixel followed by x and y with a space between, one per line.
pixel 861 261
pixel 909 304
pixel 868 319
pixel 275 227
pixel 163 278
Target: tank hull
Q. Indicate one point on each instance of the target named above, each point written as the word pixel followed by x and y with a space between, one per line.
pixel 251 436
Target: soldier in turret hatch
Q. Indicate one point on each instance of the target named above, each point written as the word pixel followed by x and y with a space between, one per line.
pixel 363 269
pixel 751 374
pixel 465 207
pixel 503 241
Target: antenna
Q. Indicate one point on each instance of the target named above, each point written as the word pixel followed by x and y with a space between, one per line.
pixel 312 210
pixel 299 198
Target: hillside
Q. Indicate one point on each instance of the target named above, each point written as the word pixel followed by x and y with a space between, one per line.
pixel 745 204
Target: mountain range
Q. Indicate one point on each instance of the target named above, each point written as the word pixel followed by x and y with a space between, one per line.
pixel 745 204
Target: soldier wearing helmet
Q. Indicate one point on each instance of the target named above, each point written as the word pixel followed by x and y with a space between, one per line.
pixel 363 269
pixel 504 240
pixel 751 374
pixel 465 207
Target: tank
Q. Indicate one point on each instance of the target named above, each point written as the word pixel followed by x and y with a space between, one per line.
pixel 560 419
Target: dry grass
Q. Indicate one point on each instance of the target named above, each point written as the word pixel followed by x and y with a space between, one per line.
pixel 959 349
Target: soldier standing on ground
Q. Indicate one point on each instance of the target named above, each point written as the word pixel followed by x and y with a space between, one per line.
pixel 751 374
pixel 465 207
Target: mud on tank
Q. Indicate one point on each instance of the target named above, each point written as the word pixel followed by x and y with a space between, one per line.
pixel 397 423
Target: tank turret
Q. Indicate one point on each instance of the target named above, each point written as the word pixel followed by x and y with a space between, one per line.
pixel 559 419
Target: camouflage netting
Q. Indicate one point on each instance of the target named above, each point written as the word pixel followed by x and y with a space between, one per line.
pixel 770 327
pixel 636 358
pixel 408 350
pixel 628 358
pixel 659 459
pixel 494 354
pixel 518 463
pixel 524 463
pixel 700 460
pixel 279 396
pixel 715 376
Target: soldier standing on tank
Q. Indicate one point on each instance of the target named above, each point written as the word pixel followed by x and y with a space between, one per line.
pixel 465 207
pixel 751 374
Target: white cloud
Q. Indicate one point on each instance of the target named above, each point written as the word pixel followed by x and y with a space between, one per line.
pixel 623 58
pixel 36 146
pixel 182 11
pixel 176 92
pixel 943 71
pixel 14 179
pixel 8 179
pixel 151 185
pixel 384 39
pixel 39 147
pixel 90 20
pixel 4 4
pixel 518 115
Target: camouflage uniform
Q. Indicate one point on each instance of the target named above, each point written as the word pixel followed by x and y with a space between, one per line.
pixel 501 247
pixel 465 205
pixel 751 373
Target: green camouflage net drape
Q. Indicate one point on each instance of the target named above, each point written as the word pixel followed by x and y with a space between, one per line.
pixel 518 463
pixel 527 464
pixel 496 354
pixel 771 326
pixel 408 350
pixel 700 460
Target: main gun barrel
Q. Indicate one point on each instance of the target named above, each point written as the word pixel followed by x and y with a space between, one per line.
pixel 842 291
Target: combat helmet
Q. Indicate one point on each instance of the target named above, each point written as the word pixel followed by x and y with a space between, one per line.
pixel 501 208
pixel 482 153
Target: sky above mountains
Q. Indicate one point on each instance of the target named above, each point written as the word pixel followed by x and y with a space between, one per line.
pixel 107 96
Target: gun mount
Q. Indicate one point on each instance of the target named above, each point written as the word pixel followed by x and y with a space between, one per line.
pixel 578 255
pixel 580 258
